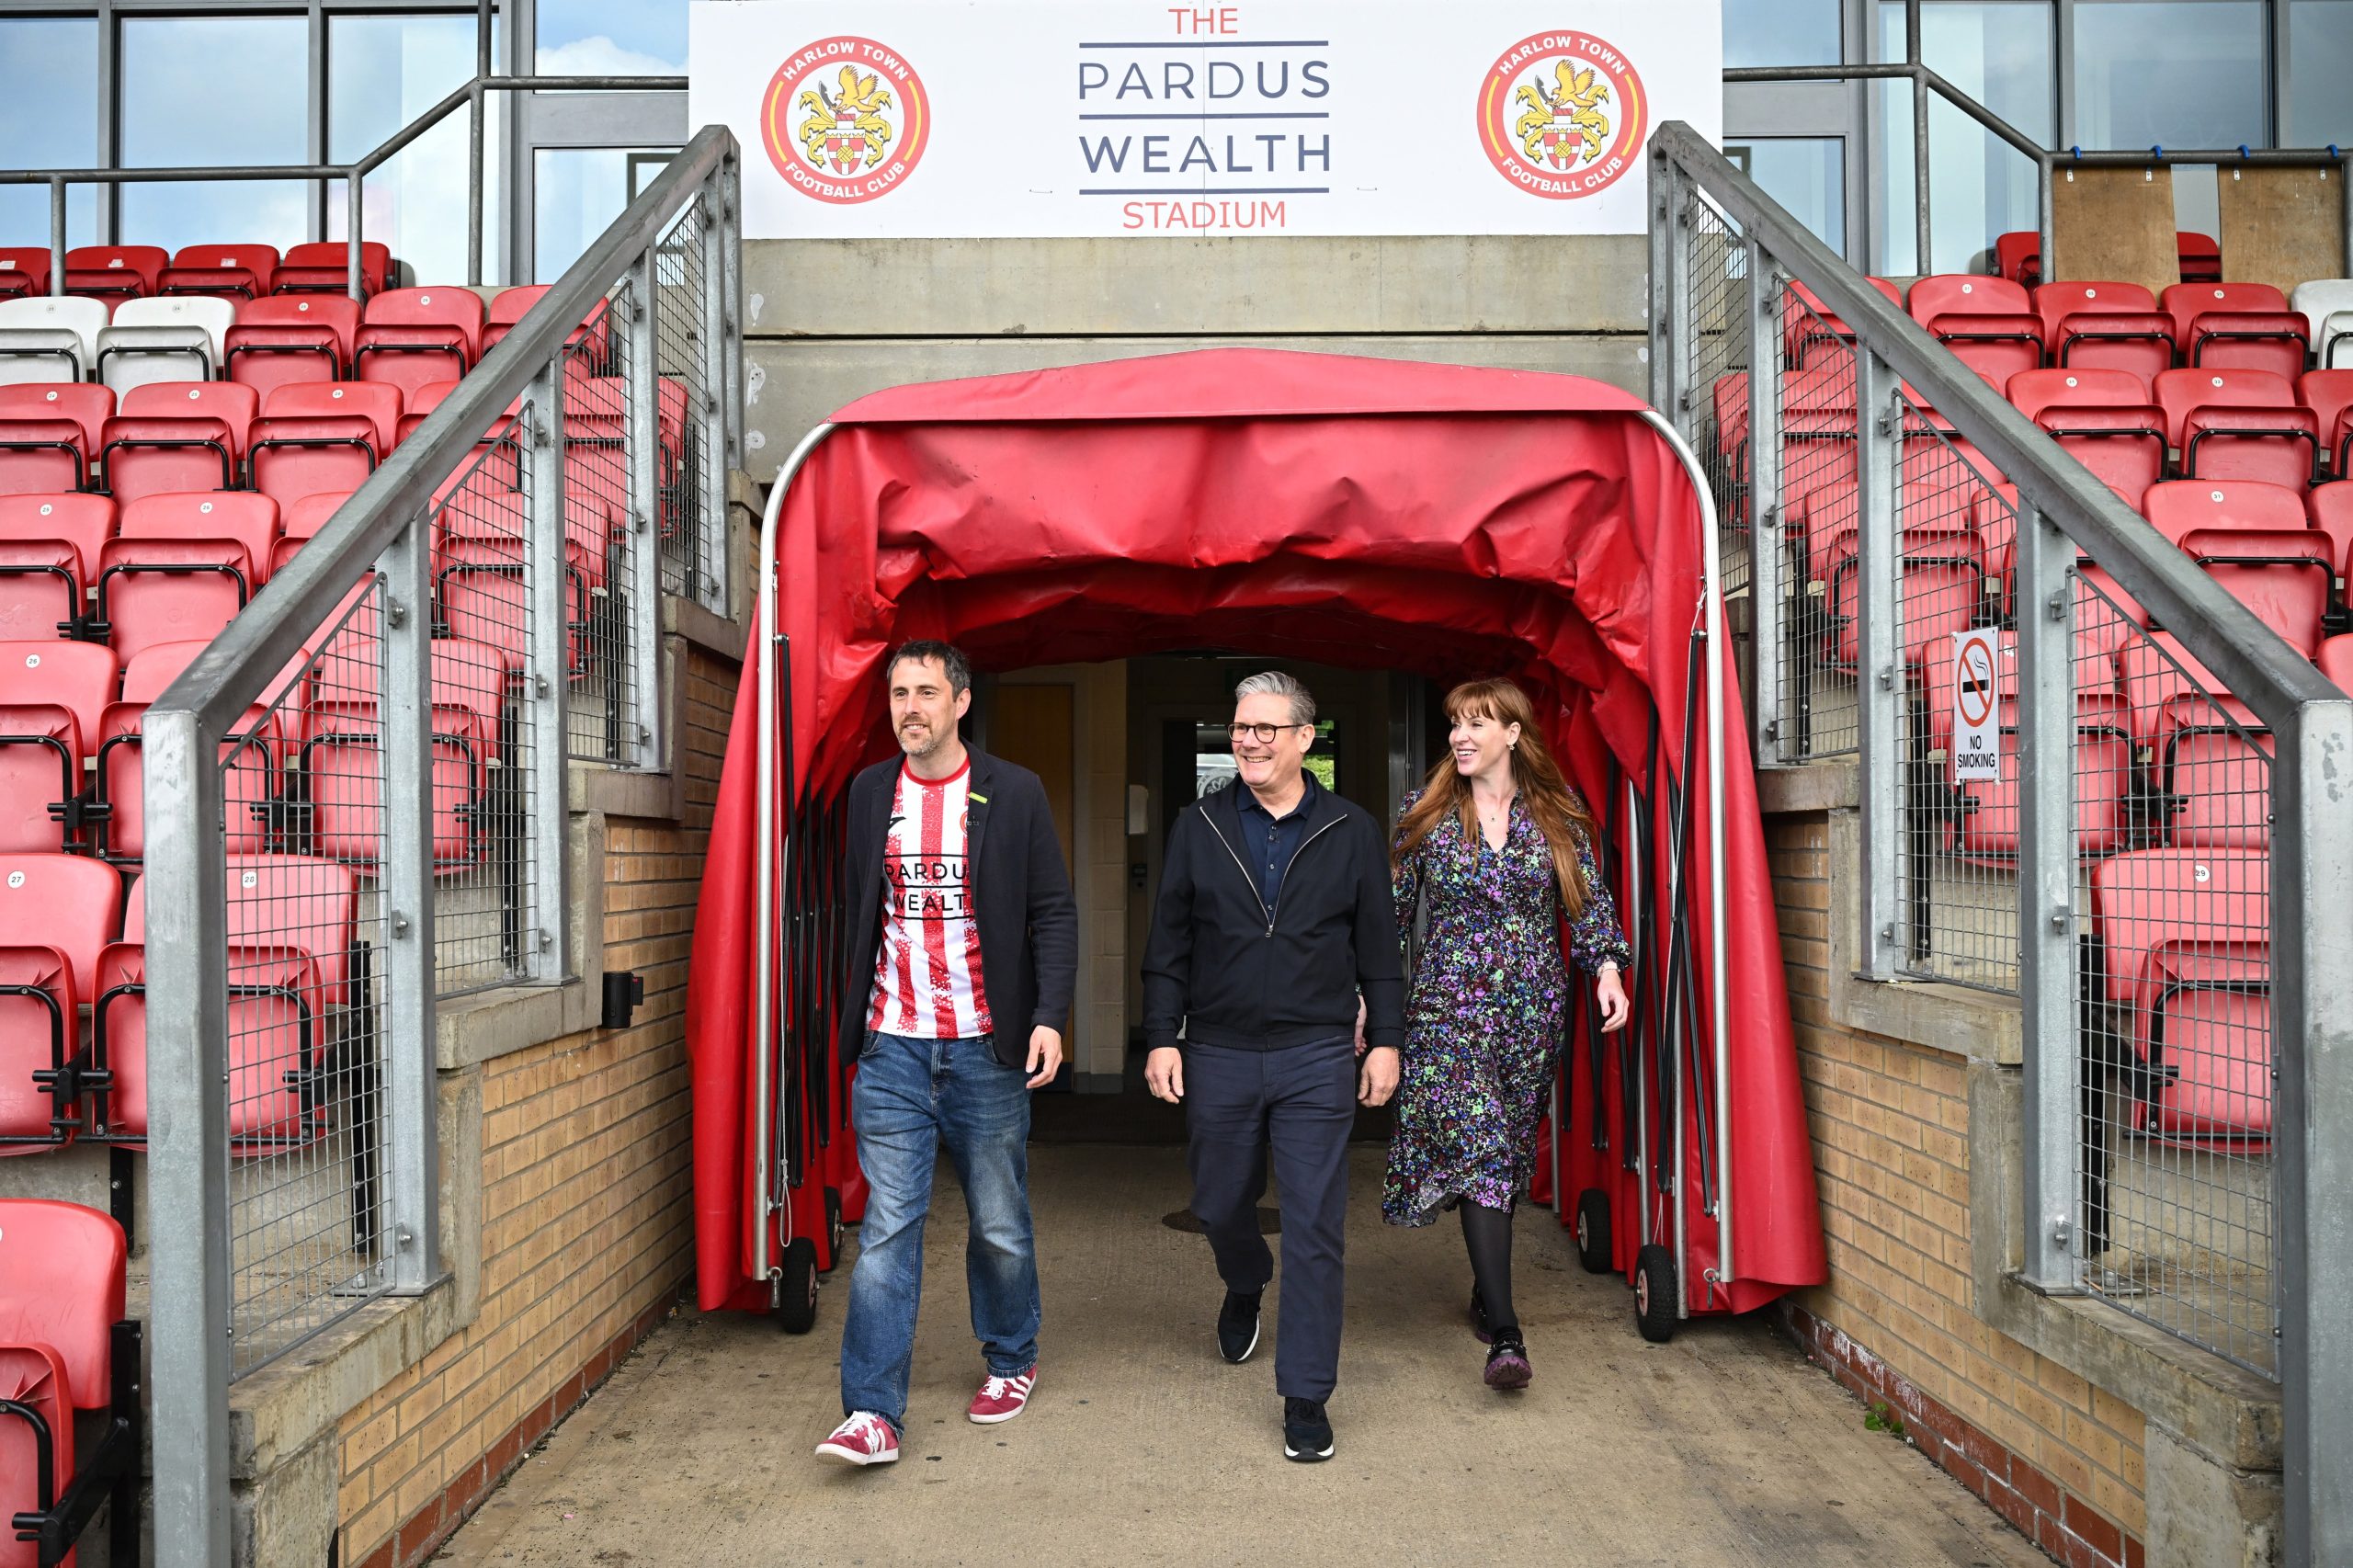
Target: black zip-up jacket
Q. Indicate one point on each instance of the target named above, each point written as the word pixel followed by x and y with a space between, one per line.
pixel 1021 897
pixel 1236 975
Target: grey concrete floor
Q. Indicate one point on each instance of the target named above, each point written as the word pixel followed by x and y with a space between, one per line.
pixel 1141 1446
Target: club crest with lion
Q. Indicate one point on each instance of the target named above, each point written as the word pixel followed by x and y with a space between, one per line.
pixel 1564 125
pixel 846 126
pixel 1562 115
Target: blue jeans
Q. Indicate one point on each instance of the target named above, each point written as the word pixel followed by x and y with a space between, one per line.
pixel 910 1097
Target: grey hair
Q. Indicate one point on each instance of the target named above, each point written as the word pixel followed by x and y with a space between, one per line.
pixel 1275 683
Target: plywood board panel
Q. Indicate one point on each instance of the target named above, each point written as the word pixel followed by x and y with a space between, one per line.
pixel 2115 225
pixel 2282 226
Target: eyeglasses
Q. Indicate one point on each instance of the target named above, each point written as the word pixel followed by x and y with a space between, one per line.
pixel 1263 734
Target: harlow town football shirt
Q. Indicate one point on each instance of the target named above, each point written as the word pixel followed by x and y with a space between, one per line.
pixel 928 976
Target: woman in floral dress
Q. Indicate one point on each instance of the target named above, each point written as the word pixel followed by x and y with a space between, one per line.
pixel 1494 850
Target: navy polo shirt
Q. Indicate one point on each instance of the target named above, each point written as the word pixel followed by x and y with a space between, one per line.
pixel 1269 842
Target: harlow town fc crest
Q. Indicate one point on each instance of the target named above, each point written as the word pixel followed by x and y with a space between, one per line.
pixel 845 119
pixel 1562 114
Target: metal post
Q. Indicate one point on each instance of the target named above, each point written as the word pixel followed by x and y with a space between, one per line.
pixel 2045 205
pixel 477 112
pixel 1879 671
pixel 711 532
pixel 1923 265
pixel 1766 562
pixel 354 187
pixel 643 623
pixel 2045 764
pixel 57 237
pixel 412 1184
pixel 1664 306
pixel 188 1142
pixel 547 667
pixel 2312 996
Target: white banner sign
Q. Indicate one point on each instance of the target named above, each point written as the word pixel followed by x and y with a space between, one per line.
pixel 905 118
pixel 1977 708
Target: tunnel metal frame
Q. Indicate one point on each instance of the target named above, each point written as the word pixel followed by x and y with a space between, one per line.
pixel 772 1176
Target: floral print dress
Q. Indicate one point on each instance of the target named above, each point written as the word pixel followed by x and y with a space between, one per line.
pixel 1482 1023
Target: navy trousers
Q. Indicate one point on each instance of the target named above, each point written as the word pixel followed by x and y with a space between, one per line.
pixel 1297 1106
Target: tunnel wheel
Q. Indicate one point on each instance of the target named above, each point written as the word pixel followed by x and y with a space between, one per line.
pixel 1654 1293
pixel 796 1308
pixel 1593 1230
pixel 833 1228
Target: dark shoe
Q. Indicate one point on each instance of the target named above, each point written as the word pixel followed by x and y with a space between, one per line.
pixel 1237 1325
pixel 1481 1329
pixel 1307 1433
pixel 1508 1359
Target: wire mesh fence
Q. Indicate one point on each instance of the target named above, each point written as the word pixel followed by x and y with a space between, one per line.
pixel 597 462
pixel 486 733
pixel 692 497
pixel 1715 344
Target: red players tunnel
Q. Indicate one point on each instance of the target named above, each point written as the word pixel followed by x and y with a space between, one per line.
pixel 1364 513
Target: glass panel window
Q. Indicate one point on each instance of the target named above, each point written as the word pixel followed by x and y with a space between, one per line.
pixel 2169 73
pixel 1805 174
pixel 215 90
pixel 612 38
pixel 2320 67
pixel 2001 54
pixel 1782 32
pixel 48 120
pixel 578 192
pixel 383 72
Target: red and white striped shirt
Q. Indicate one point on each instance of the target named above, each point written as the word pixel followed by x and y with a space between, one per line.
pixel 927 975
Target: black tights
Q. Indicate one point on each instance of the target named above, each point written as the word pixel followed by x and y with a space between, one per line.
pixel 1487 1233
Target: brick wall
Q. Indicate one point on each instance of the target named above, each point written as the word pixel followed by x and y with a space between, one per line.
pixel 1894 1323
pixel 587 1190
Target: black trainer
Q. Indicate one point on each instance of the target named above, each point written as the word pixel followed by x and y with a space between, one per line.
pixel 1237 1325
pixel 1508 1359
pixel 1307 1432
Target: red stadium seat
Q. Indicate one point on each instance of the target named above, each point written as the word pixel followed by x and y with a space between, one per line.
pixel 2328 394
pixel 342 765
pixel 2329 508
pixel 2285 576
pixel 1811 329
pixel 65 1351
pixel 2123 447
pixel 2018 256
pixel 115 273
pixel 235 272
pixel 2248 325
pixel 24 269
pixel 324 267
pixel 56 913
pixel 508 308
pixel 2185 936
pixel 2105 326
pixel 49 436
pixel 1988 322
pixel 479 577
pixel 278 341
pixel 1985 823
pixel 250 761
pixel 2031 392
pixel 182 566
pixel 2239 424
pixel 292 959
pixel 1942 587
pixel 300 522
pixel 410 336
pixel 500 461
pixel 2335 662
pixel 49 560
pixel 177 435
pixel 312 438
pixel 51 694
pixel 2199 258
pixel 2179 506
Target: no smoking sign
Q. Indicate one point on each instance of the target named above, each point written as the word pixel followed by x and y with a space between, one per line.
pixel 1976 708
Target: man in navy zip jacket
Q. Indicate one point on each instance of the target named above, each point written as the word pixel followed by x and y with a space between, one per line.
pixel 1274 937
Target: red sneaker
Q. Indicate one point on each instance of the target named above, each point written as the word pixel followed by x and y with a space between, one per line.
pixel 1001 1398
pixel 864 1438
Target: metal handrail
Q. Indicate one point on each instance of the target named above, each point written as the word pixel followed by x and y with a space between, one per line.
pixel 354 175
pixel 2251 658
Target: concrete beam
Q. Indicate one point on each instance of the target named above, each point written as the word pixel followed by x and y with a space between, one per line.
pixel 1476 283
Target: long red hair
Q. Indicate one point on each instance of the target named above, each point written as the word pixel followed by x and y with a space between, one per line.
pixel 1534 774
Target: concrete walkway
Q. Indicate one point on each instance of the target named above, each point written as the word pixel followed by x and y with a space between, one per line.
pixel 1141 1447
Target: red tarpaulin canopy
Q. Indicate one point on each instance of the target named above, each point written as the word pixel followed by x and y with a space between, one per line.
pixel 1441 519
